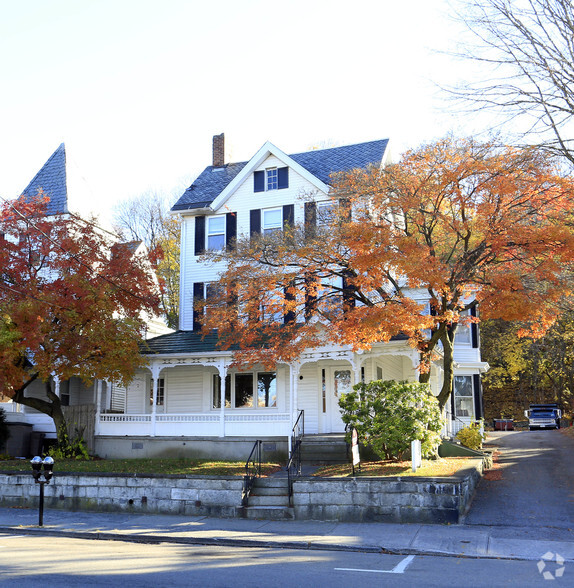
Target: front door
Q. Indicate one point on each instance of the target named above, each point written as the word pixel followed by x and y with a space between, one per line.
pixel 339 381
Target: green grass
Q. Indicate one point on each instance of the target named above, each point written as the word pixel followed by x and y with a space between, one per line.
pixel 430 468
pixel 447 466
pixel 144 466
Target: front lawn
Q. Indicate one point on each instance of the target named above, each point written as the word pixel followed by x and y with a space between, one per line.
pixel 447 466
pixel 430 468
pixel 143 466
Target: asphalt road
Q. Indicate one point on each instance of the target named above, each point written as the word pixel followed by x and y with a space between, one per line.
pixel 537 485
pixel 27 561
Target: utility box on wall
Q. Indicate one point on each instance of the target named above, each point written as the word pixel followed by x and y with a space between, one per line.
pixel 18 444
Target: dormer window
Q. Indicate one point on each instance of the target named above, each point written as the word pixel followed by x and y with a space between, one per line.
pixel 272 178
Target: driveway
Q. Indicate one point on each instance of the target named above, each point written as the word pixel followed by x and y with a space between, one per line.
pixel 536 488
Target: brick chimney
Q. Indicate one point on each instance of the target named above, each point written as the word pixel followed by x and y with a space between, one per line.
pixel 219 150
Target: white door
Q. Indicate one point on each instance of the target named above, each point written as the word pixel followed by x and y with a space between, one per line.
pixel 339 382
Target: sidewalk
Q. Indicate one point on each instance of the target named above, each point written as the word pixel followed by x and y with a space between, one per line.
pixel 525 543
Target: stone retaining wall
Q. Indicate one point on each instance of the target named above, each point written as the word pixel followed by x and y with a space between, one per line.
pixel 209 496
pixel 389 500
pixel 399 500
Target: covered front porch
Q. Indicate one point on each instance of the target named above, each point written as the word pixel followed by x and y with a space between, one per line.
pixel 186 398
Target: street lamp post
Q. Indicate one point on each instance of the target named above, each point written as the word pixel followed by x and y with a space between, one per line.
pixel 42 478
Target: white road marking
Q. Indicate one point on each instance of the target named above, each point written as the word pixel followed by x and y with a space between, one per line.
pixel 8 537
pixel 398 569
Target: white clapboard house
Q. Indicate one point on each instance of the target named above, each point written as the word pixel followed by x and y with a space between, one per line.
pixel 190 401
pixel 69 193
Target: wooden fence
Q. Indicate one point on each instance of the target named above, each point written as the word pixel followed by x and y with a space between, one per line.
pixel 81 420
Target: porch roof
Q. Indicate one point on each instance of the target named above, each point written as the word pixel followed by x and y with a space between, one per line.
pixel 194 342
pixel 180 342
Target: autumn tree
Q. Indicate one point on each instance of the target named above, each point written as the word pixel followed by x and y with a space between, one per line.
pixel 525 55
pixel 409 249
pixel 146 218
pixel 524 370
pixel 72 303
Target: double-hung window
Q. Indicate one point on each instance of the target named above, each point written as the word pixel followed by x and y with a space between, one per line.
pixel 463 398
pixel 215 233
pixel 326 213
pixel 160 397
pixel 272 220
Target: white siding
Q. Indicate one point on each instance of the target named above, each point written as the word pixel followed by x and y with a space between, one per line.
pixel 309 396
pixel 183 389
pixel 137 395
pixel 241 202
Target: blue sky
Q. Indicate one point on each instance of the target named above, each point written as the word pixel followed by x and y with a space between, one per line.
pixel 136 89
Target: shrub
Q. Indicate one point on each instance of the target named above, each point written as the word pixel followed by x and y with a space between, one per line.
pixel 471 436
pixel 388 415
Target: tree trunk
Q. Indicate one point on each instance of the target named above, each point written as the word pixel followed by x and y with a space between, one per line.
pixel 52 407
pixel 447 340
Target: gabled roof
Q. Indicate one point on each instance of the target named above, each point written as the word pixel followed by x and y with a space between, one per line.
pixel 51 179
pixel 320 163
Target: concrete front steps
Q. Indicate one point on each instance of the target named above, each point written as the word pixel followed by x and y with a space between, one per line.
pixel 269 500
pixel 324 449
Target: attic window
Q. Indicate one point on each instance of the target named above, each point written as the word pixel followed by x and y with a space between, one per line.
pixel 273 178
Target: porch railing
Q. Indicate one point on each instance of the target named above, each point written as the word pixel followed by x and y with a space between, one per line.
pixel 294 463
pixel 252 471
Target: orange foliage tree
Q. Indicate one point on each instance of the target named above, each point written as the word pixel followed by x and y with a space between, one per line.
pixel 72 303
pixel 405 250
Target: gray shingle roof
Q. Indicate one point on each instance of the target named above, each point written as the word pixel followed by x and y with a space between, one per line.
pixel 321 163
pixel 180 342
pixel 51 179
pixel 189 342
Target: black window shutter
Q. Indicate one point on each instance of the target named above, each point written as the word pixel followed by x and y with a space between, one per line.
pixel 230 230
pixel 346 212
pixel 197 297
pixel 282 177
pixel 199 235
pixel 310 296
pixel 289 316
pixel 259 181
pixel 288 215
pixel 348 290
pixel 310 219
pixel 452 402
pixel 255 222
pixel 474 333
pixel 477 390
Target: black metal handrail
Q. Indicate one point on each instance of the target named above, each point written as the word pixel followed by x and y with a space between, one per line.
pixel 252 471
pixel 294 463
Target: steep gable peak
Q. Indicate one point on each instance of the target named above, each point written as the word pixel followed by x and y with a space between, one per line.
pixel 61 181
pixel 215 185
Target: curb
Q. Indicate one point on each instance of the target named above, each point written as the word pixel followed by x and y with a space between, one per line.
pixel 249 543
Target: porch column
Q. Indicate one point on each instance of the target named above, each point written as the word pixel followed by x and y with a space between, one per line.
pixel 155 370
pixel 356 363
pixel 222 369
pixel 98 386
pixel 56 385
pixel 294 369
